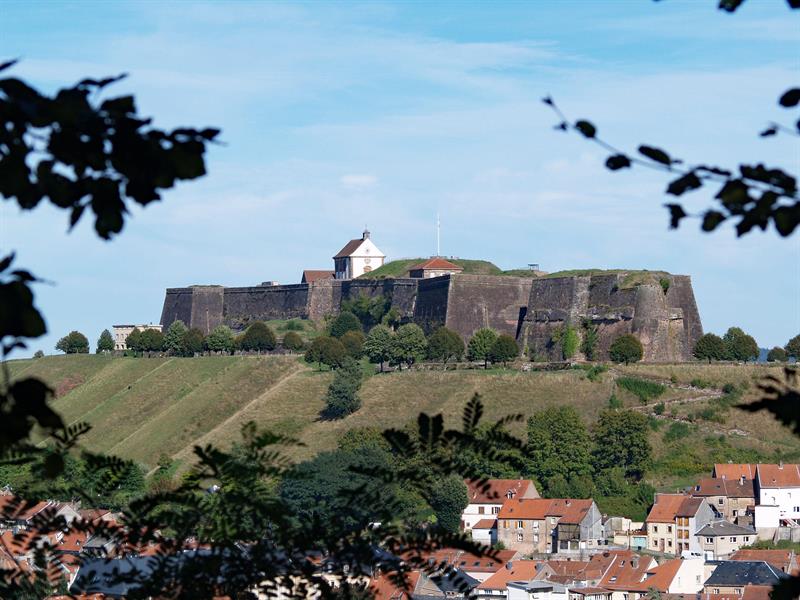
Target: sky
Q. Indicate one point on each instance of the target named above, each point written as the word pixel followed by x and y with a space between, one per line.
pixel 339 115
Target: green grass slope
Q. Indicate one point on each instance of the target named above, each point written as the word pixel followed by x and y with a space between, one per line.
pixel 399 268
pixel 144 408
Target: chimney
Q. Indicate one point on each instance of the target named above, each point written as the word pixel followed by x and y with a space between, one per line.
pixel 780 465
pixel 741 480
pixel 365 235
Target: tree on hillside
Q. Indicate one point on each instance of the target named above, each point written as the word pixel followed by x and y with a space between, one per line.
pixel 504 349
pixel 709 347
pixel 193 342
pixel 259 337
pixel 777 354
pixel 293 342
pixel 346 321
pixel 369 310
pixel 220 339
pixel 621 440
pixel 480 345
pixel 448 500
pixel 792 347
pixel 105 343
pixel 73 343
pixel 558 444
pixel 445 344
pixel 134 341
pixel 626 349
pixel 326 350
pixel 739 345
pixel 408 345
pixel 378 345
pixel 353 342
pixel 342 398
pixel 151 340
pixel 173 338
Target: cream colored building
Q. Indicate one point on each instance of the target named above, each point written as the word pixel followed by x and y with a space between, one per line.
pixel 720 539
pixel 358 256
pixel 121 333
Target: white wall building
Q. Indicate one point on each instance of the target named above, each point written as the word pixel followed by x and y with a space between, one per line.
pixel 486 501
pixel 778 494
pixel 121 333
pixel 358 256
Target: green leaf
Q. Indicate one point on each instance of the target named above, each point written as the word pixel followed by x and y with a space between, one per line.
pixel 712 219
pixel 618 161
pixel 790 98
pixel 587 129
pixel 656 154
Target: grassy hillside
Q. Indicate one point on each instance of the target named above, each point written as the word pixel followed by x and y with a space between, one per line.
pixel 399 268
pixel 143 408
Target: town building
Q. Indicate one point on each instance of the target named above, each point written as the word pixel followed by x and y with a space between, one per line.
pixel 778 491
pixel 121 333
pixel 312 275
pixel 435 266
pixel 673 522
pixel 536 590
pixel 495 587
pixel 358 256
pixel 730 498
pixel 720 539
pixel 486 499
pixel 785 560
pixel 733 577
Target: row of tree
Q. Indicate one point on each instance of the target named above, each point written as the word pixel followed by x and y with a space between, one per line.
pixel 740 346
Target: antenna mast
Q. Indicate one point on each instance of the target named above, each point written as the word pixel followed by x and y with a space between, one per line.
pixel 438 227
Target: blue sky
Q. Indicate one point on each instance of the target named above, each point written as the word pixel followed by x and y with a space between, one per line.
pixel 337 115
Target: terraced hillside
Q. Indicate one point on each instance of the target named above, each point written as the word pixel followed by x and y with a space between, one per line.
pixel 142 408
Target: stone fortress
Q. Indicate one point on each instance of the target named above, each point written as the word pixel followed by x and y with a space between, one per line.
pixel 657 307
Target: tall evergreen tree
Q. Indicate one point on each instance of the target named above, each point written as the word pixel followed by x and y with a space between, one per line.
pixel 105 343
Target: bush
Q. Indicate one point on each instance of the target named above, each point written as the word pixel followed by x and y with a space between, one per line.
pixel 105 342
pixel 293 342
pixel 260 337
pixel 641 388
pixel 480 345
pixel 594 372
pixel 193 341
pixel 676 431
pixel 590 338
pixel 504 349
pixel 792 347
pixel 353 342
pixel 664 283
pixel 626 349
pixel 777 354
pixel 614 402
pixel 38 354
pixel 346 321
pixel 709 347
pixel 568 339
pixel 445 344
pixel 326 350
pixel 294 325
pixel 729 388
pixel 659 408
pixel 342 398
pixel 73 343
pixel 220 339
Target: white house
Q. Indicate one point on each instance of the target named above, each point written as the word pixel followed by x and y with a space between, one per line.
pixel 486 500
pixel 778 492
pixel 536 590
pixel 358 256
pixel 121 333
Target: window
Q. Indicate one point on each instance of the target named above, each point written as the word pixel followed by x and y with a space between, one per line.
pixel 519 524
pixel 519 537
pixel 721 501
pixel 669 543
pixel 495 510
pixel 709 540
pixel 536 537
pixel 655 528
pixel 536 524
pixel 716 590
pixel 797 509
pixel 480 510
pixel 733 539
pixel 747 538
pixel 669 528
pixel 505 524
pixel 655 544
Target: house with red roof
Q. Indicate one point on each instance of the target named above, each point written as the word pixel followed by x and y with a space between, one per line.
pixel 550 525
pixel 673 522
pixel 777 490
pixel 731 499
pixel 485 500
pixel 436 266
pixel 357 257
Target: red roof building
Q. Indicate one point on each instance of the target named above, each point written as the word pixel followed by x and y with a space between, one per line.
pixel 434 267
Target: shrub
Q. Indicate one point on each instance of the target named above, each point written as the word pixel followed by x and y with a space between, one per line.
pixel 73 343
pixel 294 325
pixel 445 344
pixel 480 345
pixel 193 342
pixel 654 423
pixel 614 402
pixel 626 349
pixel 710 414
pixel 792 347
pixel 664 283
pixel 326 350
pixel 590 338
pixel 260 337
pixel 641 388
pixel 293 342
pixel 700 383
pixel 676 431
pixel 38 354
pixel 353 342
pixel 346 321
pixel 569 343
pixel 729 388
pixel 342 398
pixel 709 347
pixel 220 339
pixel 504 349
pixel 659 408
pixel 777 354
pixel 594 372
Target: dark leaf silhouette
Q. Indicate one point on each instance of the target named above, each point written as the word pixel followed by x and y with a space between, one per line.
pixel 683 184
pixel 586 128
pixel 655 154
pixel 712 219
pixel 618 161
pixel 790 98
pixel 676 214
